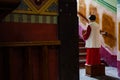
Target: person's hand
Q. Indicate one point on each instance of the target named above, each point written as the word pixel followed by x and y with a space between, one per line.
pixel 103 32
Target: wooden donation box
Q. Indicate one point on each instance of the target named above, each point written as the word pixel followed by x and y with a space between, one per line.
pixel 95 70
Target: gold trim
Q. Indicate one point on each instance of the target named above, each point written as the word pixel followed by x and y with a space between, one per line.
pixel 46 5
pixel 30 5
pixel 34 10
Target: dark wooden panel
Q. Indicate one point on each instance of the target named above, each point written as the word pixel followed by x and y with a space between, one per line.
pixel 11 32
pixel 38 62
pixel 16 60
pixel 6 6
pixel 68 34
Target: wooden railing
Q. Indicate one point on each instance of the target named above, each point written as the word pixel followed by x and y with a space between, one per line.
pixel 32 43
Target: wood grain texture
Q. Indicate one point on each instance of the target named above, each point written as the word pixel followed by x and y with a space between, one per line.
pixel 108 25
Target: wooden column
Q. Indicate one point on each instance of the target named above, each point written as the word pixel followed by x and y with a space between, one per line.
pixel 4 61
pixel 68 34
pixel 28 64
pixel 45 63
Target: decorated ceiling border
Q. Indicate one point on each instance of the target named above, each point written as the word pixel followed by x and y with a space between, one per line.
pixel 24 18
pixel 48 8
pixel 107 5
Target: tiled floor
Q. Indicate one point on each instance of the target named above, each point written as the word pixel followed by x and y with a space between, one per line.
pixel 110 74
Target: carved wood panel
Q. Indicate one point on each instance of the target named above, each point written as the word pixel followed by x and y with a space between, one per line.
pixel 108 25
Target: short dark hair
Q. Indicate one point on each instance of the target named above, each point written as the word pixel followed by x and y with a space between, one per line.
pixel 92 17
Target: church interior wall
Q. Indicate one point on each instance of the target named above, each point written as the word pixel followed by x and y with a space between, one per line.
pixel 106 17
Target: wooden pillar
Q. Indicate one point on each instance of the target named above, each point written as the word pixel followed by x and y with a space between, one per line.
pixel 1 64
pixel 6 67
pixel 28 75
pixel 16 60
pixel 45 63
pixel 68 34
pixel 4 64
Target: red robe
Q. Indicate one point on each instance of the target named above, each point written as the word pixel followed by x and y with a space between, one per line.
pixel 93 55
